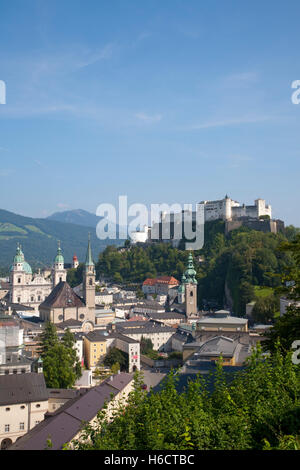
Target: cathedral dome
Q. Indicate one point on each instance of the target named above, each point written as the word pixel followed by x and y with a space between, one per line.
pixel 27 268
pixel 59 259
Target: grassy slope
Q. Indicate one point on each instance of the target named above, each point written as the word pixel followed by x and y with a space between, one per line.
pixel 39 239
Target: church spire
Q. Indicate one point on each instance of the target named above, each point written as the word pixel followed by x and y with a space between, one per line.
pixel 89 259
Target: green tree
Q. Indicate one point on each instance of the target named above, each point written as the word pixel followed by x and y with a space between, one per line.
pixel 60 365
pixel 68 341
pixel 115 368
pixel 49 338
pixel 114 356
pixel 287 327
pixel 265 308
pixel 58 370
pixel 146 345
pixel 256 408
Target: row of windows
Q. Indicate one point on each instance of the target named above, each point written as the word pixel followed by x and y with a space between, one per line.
pixel 23 406
pixel 15 371
pixel 7 427
pixel 39 299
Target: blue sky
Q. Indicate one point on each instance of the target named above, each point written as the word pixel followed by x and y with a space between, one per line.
pixel 162 101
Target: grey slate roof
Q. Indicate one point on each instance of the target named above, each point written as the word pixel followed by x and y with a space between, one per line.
pixel 167 316
pixel 123 337
pixel 147 329
pixel 71 322
pixel 62 296
pixel 63 426
pixel 96 335
pixel 61 393
pixel 22 388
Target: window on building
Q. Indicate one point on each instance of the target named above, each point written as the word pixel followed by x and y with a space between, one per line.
pixel 19 300
pixel 6 371
pixel 15 371
pixel 32 299
pixel 22 407
pixel 22 426
pixel 37 406
pixel 6 428
pixel 39 298
pixel 7 409
pixel 19 280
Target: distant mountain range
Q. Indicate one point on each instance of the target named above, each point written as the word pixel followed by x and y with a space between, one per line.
pixel 77 216
pixel 39 237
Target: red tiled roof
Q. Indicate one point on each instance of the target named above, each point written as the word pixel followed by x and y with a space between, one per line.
pixel 149 282
pixel 136 318
pixel 167 280
pixel 170 280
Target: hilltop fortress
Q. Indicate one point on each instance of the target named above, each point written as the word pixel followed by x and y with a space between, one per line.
pixel 228 209
pixel 257 217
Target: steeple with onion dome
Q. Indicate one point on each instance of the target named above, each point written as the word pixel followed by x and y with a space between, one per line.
pixel 59 272
pixel 190 283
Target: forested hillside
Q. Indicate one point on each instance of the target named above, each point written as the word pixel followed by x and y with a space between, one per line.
pixel 228 268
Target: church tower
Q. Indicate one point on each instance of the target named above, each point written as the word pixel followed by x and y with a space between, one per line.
pixel 190 289
pixel 89 279
pixel 75 262
pixel 17 276
pixel 59 273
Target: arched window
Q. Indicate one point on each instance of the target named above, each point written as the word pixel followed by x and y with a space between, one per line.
pixel 91 282
pixel 191 293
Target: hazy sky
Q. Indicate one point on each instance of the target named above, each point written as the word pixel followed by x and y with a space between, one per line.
pixel 162 101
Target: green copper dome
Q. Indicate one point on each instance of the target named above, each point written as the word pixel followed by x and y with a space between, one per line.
pixel 190 272
pixel 59 257
pixel 27 268
pixel 19 259
pixel 181 289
